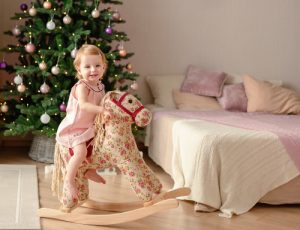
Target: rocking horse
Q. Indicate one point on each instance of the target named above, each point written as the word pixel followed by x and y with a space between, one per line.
pixel 113 146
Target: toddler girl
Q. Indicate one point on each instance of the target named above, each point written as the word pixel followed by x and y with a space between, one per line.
pixel 76 130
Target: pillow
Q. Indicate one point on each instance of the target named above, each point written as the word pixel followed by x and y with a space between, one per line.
pixel 266 97
pixel 203 82
pixel 161 87
pixel 234 98
pixel 190 101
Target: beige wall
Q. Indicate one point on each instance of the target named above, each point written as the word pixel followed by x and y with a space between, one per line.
pixel 258 37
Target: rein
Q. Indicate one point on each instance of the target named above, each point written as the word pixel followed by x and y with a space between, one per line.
pixel 119 104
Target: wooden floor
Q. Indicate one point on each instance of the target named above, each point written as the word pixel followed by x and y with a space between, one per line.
pixel 285 217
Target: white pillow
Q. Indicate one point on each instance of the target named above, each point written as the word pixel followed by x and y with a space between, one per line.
pixel 161 87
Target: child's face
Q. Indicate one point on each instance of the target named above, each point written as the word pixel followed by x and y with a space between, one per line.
pixel 91 68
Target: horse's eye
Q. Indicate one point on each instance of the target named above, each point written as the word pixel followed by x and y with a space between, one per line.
pixel 130 101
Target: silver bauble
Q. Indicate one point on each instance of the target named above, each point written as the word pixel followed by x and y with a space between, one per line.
pixel 50 25
pixel 18 79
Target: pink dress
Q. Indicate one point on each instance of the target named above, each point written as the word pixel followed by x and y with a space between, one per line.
pixel 78 126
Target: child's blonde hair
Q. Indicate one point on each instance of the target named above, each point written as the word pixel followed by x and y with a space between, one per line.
pixel 88 50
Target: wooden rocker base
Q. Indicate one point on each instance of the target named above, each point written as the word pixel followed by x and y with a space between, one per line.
pixel 108 219
pixel 164 202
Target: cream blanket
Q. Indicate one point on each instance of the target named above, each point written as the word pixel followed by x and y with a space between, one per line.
pixel 228 168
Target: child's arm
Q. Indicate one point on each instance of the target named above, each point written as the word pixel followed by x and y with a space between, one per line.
pixel 82 97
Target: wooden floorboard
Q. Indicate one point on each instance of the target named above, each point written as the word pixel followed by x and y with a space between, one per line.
pixel 261 217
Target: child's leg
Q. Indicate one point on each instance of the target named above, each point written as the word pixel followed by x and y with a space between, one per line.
pixel 72 168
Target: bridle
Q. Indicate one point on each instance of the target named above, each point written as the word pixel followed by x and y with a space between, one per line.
pixel 119 104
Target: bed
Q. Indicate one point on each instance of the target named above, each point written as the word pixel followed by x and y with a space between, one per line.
pixel 231 160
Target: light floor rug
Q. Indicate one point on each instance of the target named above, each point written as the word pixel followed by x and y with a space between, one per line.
pixel 18 197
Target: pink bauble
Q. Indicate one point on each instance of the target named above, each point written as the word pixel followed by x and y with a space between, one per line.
pixel 44 88
pixel 63 107
pixel 16 31
pixel 67 19
pixel 116 15
pixel 30 48
pixel 21 88
pixel 134 86
pixel 32 11
pixel 122 52
pixel 47 5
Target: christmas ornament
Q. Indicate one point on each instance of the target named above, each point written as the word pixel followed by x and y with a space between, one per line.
pixel 129 66
pixel 43 65
pixel 122 52
pixel 116 15
pixel 63 107
pixel 18 80
pixel 134 86
pixel 30 48
pixel 74 52
pixel 95 13
pixel 23 6
pixel 16 31
pixel 44 88
pixel 50 25
pixel 45 118
pixel 55 70
pixel 47 5
pixel 4 108
pixel 32 11
pixel 67 19
pixel 21 88
pixel 3 64
pixel 109 30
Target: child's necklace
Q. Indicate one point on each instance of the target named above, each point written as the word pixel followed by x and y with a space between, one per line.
pixel 95 90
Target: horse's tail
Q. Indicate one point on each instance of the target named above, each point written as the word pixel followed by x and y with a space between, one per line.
pixel 57 176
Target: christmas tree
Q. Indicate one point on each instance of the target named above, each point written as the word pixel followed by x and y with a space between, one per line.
pixel 51 32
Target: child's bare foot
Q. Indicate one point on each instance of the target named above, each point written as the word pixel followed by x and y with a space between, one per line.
pixel 91 174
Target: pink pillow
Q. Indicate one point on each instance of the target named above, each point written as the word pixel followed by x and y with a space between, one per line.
pixel 202 82
pixel 234 98
pixel 266 97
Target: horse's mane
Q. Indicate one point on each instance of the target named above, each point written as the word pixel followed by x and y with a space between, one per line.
pixel 99 122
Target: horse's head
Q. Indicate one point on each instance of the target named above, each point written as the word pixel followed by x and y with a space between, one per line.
pixel 122 105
